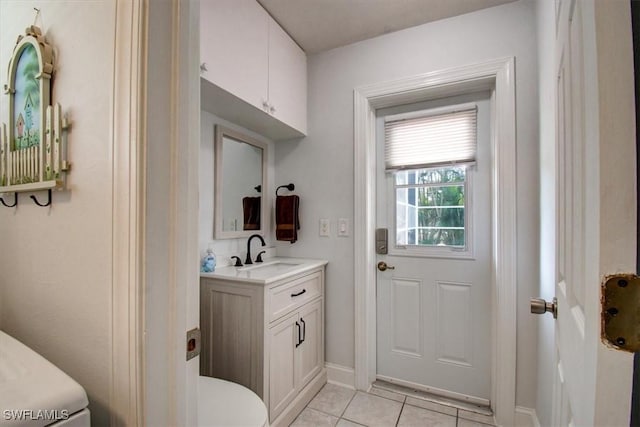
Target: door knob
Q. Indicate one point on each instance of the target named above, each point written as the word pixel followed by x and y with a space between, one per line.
pixel 540 306
pixel 382 266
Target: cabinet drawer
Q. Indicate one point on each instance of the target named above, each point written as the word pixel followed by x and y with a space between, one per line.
pixel 287 297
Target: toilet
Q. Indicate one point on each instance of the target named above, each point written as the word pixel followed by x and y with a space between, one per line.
pixel 34 392
pixel 223 403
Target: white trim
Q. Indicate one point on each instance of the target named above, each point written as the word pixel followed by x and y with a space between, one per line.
pixel 498 75
pixel 526 417
pixel 128 139
pixel 341 375
pixel 436 391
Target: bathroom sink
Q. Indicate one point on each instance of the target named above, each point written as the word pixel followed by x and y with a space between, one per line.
pixel 273 266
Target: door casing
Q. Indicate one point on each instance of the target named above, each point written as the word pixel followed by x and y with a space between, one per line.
pixel 499 76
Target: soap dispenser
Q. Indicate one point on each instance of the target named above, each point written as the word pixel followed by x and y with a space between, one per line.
pixel 208 264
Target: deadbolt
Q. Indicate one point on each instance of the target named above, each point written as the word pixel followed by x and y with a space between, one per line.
pixel 540 306
pixel 382 266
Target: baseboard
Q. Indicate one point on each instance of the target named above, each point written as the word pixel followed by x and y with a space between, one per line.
pixel 526 417
pixel 341 375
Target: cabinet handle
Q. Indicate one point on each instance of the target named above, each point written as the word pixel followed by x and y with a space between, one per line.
pixel 299 339
pixel 299 293
pixel 265 105
pixel 304 330
pixel 203 67
pixel 272 109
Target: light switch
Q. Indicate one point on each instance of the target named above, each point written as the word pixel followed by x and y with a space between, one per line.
pixel 343 227
pixel 324 227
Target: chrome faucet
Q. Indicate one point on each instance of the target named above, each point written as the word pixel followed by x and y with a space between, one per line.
pixel 248 260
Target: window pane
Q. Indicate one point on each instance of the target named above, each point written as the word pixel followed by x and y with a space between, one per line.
pixel 441 237
pixel 452 195
pixel 431 176
pixel 411 236
pixel 401 177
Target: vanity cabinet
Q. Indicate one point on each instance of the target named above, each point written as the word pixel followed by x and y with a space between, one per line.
pixel 268 337
pixel 247 54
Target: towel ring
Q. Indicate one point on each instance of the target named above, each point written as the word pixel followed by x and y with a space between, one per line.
pixel 289 187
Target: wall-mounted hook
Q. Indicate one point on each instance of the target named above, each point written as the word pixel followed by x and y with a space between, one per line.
pixel 15 201
pixel 42 204
pixel 289 187
pixel 258 188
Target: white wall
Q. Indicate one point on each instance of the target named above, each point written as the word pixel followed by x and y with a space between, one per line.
pixel 545 18
pixel 56 267
pixel 226 248
pixel 321 165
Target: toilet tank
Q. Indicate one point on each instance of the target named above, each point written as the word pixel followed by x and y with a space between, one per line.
pixel 34 392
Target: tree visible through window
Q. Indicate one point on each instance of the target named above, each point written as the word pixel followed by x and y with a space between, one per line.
pixel 430 206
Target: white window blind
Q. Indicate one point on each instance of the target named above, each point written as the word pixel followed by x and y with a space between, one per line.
pixel 435 138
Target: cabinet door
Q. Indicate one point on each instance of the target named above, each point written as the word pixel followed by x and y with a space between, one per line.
pixel 311 351
pixel 234 46
pixel 283 378
pixel 287 78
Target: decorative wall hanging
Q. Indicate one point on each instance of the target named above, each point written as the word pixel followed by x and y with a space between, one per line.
pixel 33 145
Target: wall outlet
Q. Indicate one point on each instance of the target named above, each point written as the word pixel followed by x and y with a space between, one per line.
pixel 324 227
pixel 343 227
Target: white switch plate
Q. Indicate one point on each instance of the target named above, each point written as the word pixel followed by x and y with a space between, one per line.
pixel 343 227
pixel 324 227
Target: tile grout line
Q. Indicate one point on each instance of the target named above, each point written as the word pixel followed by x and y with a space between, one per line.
pixel 350 400
pixel 400 413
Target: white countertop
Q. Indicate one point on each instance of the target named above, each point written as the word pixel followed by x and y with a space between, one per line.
pixel 269 271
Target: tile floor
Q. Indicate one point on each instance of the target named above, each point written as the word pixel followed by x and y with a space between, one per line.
pixel 343 407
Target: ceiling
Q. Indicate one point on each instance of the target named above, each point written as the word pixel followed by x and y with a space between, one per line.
pixel 319 25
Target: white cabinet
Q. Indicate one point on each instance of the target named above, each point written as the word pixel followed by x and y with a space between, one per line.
pixel 246 54
pixel 234 47
pixel 268 337
pixel 282 356
pixel 295 355
pixel 287 95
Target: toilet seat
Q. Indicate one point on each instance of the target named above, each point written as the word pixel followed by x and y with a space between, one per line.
pixel 223 403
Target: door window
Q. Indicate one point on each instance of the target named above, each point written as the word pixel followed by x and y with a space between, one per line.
pixel 430 207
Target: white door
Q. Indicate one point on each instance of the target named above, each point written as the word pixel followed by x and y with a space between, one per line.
pixel 595 205
pixel 433 308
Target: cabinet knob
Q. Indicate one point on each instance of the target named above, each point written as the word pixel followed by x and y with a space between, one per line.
pixel 265 105
pixel 203 67
pixel 272 109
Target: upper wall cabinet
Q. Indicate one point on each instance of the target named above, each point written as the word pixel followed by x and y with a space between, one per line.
pixel 253 73
pixel 287 78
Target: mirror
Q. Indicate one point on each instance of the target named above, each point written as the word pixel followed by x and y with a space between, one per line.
pixel 240 184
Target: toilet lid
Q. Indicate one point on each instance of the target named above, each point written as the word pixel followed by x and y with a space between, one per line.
pixel 223 403
pixel 30 382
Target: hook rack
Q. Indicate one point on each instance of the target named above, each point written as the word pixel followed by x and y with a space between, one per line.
pixel 289 187
pixel 42 204
pixel 15 201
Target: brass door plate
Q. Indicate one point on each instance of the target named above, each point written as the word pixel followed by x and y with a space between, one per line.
pixel 193 343
pixel 621 311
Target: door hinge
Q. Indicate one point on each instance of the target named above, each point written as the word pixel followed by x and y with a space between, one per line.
pixel 621 311
pixel 193 343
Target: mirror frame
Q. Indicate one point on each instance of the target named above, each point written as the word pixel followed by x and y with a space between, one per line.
pixel 218 233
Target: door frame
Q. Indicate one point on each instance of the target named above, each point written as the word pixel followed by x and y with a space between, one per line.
pixel 497 75
pixel 128 141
